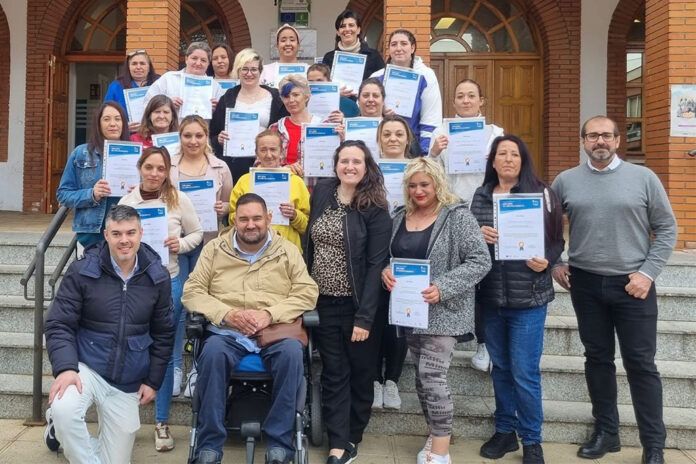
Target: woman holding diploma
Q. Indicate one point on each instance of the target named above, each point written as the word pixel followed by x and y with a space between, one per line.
pixel 248 97
pixel 138 71
pixel 288 45
pixel 350 38
pixel 270 155
pixel 347 241
pixel 427 108
pixel 436 226
pixel 513 297
pixel 371 98
pixel 81 186
pixel 184 233
pixel 221 62
pixel 159 117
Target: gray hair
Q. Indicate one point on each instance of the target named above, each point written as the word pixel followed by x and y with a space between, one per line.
pixel 199 46
pixel 119 213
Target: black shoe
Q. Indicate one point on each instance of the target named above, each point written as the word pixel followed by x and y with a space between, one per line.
pixel 600 444
pixel 532 454
pixel 352 450
pixel 50 432
pixel 277 455
pixel 499 445
pixel 346 457
pixel 652 456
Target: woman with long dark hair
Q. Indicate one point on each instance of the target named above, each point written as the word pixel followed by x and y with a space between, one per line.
pixel 347 243
pixel 513 297
pixel 137 71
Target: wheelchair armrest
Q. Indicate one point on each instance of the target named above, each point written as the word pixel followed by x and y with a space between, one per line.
pixel 195 325
pixel 310 318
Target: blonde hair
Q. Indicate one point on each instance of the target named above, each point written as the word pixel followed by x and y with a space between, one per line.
pixel 195 119
pixel 296 80
pixel 432 169
pixel 243 57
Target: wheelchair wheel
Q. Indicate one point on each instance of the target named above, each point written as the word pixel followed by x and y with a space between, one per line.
pixel 316 424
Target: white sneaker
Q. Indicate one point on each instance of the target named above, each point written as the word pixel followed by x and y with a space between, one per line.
pixel 481 360
pixel 432 458
pixel 178 375
pixel 392 400
pixel 420 457
pixel 163 438
pixel 377 403
pixel 190 383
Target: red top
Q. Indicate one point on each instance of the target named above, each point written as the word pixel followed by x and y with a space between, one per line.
pixel 147 143
pixel 295 133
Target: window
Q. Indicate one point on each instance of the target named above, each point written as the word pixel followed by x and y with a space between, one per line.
pixel 635 58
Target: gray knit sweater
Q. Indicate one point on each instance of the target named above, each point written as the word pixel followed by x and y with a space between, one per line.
pixel 612 215
pixel 459 259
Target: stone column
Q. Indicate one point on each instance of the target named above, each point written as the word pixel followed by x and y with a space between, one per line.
pixel 413 15
pixel 153 25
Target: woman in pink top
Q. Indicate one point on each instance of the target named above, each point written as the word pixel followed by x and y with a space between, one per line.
pixel 159 117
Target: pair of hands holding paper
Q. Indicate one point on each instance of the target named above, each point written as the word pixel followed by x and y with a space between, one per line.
pixel 536 264
pixel 431 295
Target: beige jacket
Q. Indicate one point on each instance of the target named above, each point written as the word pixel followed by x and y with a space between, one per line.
pixel 223 281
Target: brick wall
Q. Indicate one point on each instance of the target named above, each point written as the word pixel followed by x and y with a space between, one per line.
pixel 154 26
pixel 670 57
pixel 4 85
pixel 413 15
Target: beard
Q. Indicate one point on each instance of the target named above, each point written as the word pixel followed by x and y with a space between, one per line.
pixel 252 237
pixel 601 153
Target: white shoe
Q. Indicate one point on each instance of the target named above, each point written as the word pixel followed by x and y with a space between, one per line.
pixel 420 457
pixel 392 400
pixel 481 360
pixel 377 401
pixel 190 383
pixel 432 458
pixel 163 438
pixel 178 375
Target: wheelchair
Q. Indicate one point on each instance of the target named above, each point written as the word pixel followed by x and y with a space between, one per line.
pixel 249 393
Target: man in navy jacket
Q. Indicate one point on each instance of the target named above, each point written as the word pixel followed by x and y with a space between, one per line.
pixel 109 336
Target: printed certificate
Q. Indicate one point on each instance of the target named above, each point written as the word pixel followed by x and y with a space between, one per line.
pixel 273 185
pixel 348 69
pixel 364 129
pixel 467 148
pixel 319 144
pixel 519 220
pixel 120 166
pixel 393 172
pixel 401 89
pixel 168 140
pixel 135 103
pixel 196 94
pixel 406 305
pixel 202 195
pixel 294 68
pixel 227 83
pixel 242 129
pixel 325 98
pixel 155 231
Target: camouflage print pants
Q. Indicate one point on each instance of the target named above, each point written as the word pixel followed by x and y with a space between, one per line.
pixel 432 355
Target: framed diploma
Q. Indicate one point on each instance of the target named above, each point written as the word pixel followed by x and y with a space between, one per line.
pixel 155 230
pixel 519 220
pixel 319 142
pixel 202 194
pixel 393 173
pixel 401 89
pixel 467 148
pixel 273 185
pixel 406 305
pixel 135 103
pixel 347 69
pixel 242 129
pixel 120 166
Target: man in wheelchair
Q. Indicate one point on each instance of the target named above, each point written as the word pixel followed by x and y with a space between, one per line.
pixel 247 279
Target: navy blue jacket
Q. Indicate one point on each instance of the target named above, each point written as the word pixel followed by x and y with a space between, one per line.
pixel 123 332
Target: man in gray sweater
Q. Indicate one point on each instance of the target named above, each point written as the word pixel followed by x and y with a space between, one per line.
pixel 622 231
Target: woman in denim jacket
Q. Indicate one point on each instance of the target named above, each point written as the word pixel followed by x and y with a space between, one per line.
pixel 81 186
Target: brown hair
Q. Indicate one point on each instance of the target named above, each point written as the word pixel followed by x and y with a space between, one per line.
pixel 409 132
pixel 95 141
pixel 230 59
pixel 370 191
pixel 322 68
pixel 168 192
pixel 125 78
pixel 146 128
pixel 411 38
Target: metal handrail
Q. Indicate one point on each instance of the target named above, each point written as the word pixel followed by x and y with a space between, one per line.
pixel 37 268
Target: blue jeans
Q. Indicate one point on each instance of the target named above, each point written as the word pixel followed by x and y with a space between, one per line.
pixel 515 340
pixel 187 262
pixel 164 394
pixel 219 356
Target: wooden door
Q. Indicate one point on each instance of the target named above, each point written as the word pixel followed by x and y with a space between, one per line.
pixel 56 128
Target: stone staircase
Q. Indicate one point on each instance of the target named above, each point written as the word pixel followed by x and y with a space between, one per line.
pixel 566 404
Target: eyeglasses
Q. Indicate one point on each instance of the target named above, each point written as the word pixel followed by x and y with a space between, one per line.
pixel 136 52
pixel 249 70
pixel 606 136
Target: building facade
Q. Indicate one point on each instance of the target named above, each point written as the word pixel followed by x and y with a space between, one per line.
pixel 544 65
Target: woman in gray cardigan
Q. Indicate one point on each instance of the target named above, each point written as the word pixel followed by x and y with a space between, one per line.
pixel 435 225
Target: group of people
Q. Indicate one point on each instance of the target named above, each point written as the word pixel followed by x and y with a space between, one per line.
pixel 115 332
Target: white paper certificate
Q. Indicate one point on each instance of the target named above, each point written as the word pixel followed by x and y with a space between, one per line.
pixel 242 129
pixel 228 83
pixel 364 129
pixel 273 185
pixel 168 140
pixel 155 231
pixel 348 69
pixel 319 144
pixel 197 93
pixel 406 305
pixel 393 172
pixel 401 89
pixel 286 69
pixel 120 166
pixel 519 219
pixel 467 148
pixel 135 103
pixel 325 98
pixel 202 195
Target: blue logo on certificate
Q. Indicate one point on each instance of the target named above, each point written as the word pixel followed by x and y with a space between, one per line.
pixel 198 82
pixel 149 213
pixel 401 74
pixel 193 185
pixel 235 116
pixel 352 124
pixel 137 93
pixel 291 69
pixel 320 131
pixel 118 149
pixel 351 59
pixel 322 88
pixel 268 177
pixel 465 126
pixel 517 204
pixel 392 168
pixel 167 140
pixel 410 269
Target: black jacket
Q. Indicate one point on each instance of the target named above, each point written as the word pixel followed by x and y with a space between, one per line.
pixel 367 234
pixel 240 166
pixel 124 332
pixel 374 62
pixel 512 284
